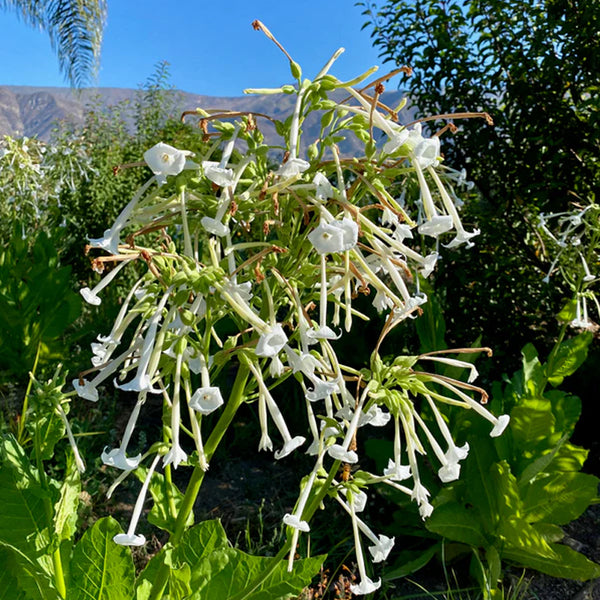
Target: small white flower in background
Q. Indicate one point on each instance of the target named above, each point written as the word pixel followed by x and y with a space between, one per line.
pixel 165 160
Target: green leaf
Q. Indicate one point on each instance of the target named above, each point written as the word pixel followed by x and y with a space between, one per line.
pixel 229 572
pixel 564 562
pixel 23 579
pixel 534 376
pixel 24 522
pixel 101 569
pixel 65 510
pixel 559 497
pixel 458 523
pixel 569 356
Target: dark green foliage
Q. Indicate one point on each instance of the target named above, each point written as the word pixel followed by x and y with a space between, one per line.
pixel 38 303
pixel 535 68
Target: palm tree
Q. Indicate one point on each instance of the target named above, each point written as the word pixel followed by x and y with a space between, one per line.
pixel 75 30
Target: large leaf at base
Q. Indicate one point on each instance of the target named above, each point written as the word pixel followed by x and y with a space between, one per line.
pixel 559 497
pixel 458 523
pixel 565 562
pixel 101 569
pixel 228 572
pixel 22 578
pixel 24 522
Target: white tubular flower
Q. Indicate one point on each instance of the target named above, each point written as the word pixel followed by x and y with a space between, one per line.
pixel 588 275
pixel 454 362
pixel 382 545
pixel 395 141
pixel 581 320
pixel 381 548
pixel 304 363
pixel 214 226
pixel 454 452
pixel 91 295
pixel 117 457
pixel 500 425
pixel 292 168
pixel 88 389
pixel 289 443
pixel 335 236
pixel 111 239
pixel 142 382
pixel 296 523
pixel 421 494
pixel 326 238
pixel 427 152
pixel 271 342
pixel 366 585
pixel 176 455
pixel 130 538
pixel 395 470
pixel 219 175
pixel 205 400
pixel 462 236
pixel 323 188
pixel 165 160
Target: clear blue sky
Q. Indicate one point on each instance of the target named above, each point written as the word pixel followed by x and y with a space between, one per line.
pixel 211 46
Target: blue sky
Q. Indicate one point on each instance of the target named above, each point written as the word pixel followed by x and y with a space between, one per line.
pixel 210 46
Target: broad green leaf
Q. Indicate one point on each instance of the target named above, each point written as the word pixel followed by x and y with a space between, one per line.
pixel 49 429
pixel 230 573
pixel 551 533
pixel 532 422
pixel 565 562
pixel 23 579
pixel 540 464
pixel 199 542
pixel 559 497
pixel 534 376
pixel 196 544
pixel 566 409
pixel 101 569
pixel 65 510
pixel 457 523
pixel 24 523
pixel 569 357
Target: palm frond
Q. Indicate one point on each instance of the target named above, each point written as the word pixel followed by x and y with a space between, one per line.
pixel 75 30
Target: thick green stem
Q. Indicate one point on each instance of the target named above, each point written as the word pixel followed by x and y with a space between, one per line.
pixel 236 399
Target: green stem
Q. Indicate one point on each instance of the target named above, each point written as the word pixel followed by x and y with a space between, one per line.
pixel 236 399
pixel 21 428
pixel 307 514
pixel 59 576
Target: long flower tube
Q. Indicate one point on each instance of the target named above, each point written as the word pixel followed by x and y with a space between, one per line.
pixel 130 538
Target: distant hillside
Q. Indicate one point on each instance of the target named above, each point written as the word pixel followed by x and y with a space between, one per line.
pixel 34 111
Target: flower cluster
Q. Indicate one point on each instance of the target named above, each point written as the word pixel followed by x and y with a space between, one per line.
pixel 253 267
pixel 573 237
